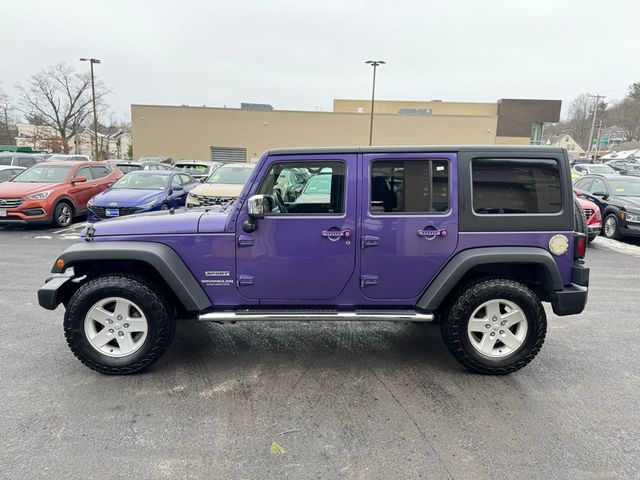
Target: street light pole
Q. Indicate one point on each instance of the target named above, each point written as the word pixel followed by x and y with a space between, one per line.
pixel 374 64
pixel 593 120
pixel 95 113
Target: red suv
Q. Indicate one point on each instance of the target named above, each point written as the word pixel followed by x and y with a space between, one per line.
pixel 54 192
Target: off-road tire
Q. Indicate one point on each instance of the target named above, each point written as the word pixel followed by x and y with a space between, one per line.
pixel 581 219
pixel 57 214
pixel 152 301
pixel 615 235
pixel 474 294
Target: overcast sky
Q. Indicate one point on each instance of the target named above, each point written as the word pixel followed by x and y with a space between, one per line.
pixel 298 54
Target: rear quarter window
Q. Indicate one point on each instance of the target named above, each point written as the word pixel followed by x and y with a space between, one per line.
pixel 504 186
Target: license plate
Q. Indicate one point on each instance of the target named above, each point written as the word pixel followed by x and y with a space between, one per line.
pixel 112 212
pixel 3 212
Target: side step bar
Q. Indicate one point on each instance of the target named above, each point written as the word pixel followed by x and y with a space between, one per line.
pixel 306 315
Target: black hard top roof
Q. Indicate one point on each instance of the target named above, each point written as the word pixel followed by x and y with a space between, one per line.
pixel 417 149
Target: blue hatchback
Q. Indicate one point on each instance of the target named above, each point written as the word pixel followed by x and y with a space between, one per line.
pixel 141 191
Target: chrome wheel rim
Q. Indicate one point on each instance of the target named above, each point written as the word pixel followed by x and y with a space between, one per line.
pixel 610 226
pixel 115 327
pixel 497 328
pixel 164 207
pixel 64 214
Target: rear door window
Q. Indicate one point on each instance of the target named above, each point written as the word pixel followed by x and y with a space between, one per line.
pixel 99 172
pixel 409 187
pixel 504 186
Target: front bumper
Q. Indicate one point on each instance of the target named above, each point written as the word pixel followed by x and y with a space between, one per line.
pixel 29 212
pixel 55 289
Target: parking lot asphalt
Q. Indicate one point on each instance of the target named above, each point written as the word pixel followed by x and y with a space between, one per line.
pixel 365 400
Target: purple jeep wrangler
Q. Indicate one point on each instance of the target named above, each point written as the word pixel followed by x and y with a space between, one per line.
pixel 475 238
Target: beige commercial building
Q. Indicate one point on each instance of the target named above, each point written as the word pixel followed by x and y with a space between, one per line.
pixel 242 134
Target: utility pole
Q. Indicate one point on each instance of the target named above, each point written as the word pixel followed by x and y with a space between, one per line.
pixel 595 157
pixel 95 113
pixel 374 64
pixel 593 121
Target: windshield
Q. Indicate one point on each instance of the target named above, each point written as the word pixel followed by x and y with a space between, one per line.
pixel 230 175
pixel 44 174
pixel 633 168
pixel 318 185
pixel 143 181
pixel 628 187
pixel 601 169
pixel 192 169
pixel 129 168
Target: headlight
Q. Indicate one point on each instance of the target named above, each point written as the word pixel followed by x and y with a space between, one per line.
pixel 90 202
pixel 633 217
pixel 192 199
pixel 148 205
pixel 40 195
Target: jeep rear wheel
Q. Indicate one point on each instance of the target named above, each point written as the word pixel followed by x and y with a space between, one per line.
pixel 118 324
pixel 496 326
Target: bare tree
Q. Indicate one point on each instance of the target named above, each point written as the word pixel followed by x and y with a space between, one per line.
pixel 626 114
pixel 60 97
pixel 7 123
pixel 580 115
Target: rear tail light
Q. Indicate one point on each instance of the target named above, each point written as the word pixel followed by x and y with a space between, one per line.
pixel 580 246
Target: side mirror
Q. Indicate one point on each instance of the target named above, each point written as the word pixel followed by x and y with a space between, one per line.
pixel 177 188
pixel 80 179
pixel 257 206
pixel 604 195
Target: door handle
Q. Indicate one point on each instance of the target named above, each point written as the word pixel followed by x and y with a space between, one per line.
pixel 369 241
pixel 429 233
pixel 245 241
pixel 335 235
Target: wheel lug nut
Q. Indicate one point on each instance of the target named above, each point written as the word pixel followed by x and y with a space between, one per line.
pixel 495 319
pixel 126 325
pixel 487 326
pixel 120 333
pixel 109 321
pixel 111 330
pixel 119 317
pixel 493 334
pixel 501 332
pixel 504 322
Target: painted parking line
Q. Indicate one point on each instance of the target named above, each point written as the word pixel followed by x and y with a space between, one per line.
pixel 617 246
pixel 74 227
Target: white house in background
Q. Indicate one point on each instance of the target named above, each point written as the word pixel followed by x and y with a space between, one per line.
pixel 566 141
pixel 116 144
pixel 38 137
pixel 630 155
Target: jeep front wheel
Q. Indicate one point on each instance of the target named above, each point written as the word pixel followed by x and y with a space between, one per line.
pixel 118 324
pixel 496 326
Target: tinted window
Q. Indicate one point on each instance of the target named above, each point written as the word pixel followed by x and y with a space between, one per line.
pixel 5 160
pixel 409 186
pixel 320 192
pixel 84 172
pixel 598 186
pixel 5 175
pixel 177 181
pixel 99 172
pixel 516 186
pixel 584 184
pixel 25 162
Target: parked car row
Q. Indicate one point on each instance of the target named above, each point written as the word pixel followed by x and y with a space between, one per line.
pixel 57 192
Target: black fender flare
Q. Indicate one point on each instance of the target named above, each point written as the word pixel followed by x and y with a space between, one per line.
pixel 463 262
pixel 159 256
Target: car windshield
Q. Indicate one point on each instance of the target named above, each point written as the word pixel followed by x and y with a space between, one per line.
pixel 318 185
pixel 44 174
pixel 627 187
pixel 601 169
pixel 633 168
pixel 143 181
pixel 129 168
pixel 192 169
pixel 230 175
